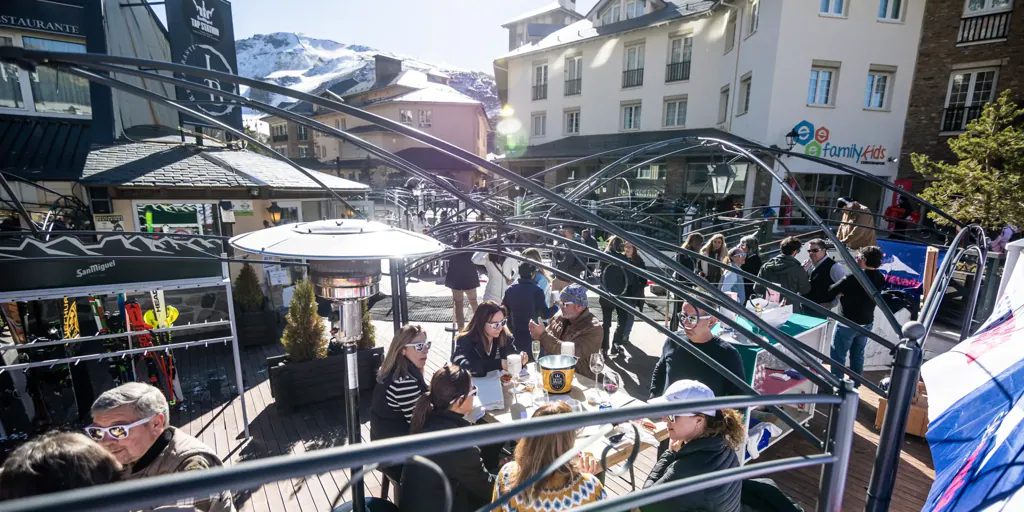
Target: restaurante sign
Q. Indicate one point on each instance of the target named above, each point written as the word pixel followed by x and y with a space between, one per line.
pixel 50 17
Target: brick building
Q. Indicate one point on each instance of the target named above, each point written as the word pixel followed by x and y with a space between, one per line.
pixel 969 53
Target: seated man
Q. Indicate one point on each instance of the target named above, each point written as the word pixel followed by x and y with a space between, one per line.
pixel 574 323
pixel 677 363
pixel 130 422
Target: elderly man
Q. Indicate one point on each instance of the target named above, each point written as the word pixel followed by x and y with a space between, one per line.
pixel 573 323
pixel 130 422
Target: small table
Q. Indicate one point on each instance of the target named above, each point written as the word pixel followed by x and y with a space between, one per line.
pixel 521 406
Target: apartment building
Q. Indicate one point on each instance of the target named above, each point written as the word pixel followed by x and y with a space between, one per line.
pixel 290 139
pixel 530 27
pixel 973 51
pixel 834 75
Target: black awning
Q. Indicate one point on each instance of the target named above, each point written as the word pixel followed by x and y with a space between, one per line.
pixel 44 148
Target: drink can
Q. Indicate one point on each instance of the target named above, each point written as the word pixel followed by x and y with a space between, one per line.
pixel 605 405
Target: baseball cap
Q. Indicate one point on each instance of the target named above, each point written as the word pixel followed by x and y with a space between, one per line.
pixel 686 390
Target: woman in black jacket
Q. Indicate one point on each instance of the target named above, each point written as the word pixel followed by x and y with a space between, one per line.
pixel 485 344
pixel 753 263
pixel 442 408
pixel 700 443
pixel 635 292
pixel 399 384
pixel 462 280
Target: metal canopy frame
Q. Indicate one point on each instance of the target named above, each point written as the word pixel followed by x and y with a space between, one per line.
pixel 90 66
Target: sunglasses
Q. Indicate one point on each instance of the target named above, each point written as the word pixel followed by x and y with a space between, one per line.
pixel 814 250
pixel 471 393
pixel 740 255
pixel 117 432
pixel 497 325
pixel 422 346
pixel 693 319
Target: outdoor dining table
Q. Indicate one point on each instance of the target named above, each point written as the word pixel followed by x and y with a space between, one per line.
pixel 522 406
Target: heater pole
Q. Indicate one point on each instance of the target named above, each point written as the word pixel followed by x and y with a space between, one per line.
pixel 348 334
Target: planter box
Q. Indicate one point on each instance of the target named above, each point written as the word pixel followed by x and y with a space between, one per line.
pixel 309 382
pixel 256 328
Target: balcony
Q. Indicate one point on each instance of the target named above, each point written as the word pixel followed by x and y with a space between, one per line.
pixel 677 71
pixel 986 27
pixel 573 87
pixel 540 92
pixel 279 138
pixel 633 77
pixel 955 119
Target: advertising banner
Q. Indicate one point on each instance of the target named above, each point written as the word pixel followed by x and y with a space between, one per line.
pixel 903 266
pixel 202 35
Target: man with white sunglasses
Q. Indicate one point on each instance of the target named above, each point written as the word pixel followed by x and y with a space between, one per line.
pixel 130 422
pixel 677 363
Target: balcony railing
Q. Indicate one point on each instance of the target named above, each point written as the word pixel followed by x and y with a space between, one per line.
pixel 955 119
pixel 633 77
pixel 986 27
pixel 279 138
pixel 573 87
pixel 540 92
pixel 677 71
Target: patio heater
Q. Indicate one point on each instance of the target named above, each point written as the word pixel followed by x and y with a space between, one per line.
pixel 344 257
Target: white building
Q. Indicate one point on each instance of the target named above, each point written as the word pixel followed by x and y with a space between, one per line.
pixel 838 72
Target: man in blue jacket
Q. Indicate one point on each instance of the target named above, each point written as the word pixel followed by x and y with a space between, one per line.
pixel 525 301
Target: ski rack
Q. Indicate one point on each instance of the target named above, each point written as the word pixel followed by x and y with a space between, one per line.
pixel 113 355
pixel 68 341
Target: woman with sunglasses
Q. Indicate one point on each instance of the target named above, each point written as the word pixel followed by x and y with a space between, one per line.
pixel 443 407
pixel 731 281
pixel 399 384
pixel 574 481
pixel 701 442
pixel 486 342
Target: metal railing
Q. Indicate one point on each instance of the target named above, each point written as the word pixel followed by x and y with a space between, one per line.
pixel 677 71
pixel 573 87
pixel 279 138
pixel 955 119
pixel 540 92
pixel 633 77
pixel 986 27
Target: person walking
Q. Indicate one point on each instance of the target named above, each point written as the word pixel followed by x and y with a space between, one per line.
pixel 859 308
pixel 784 269
pixel 752 264
pixel 823 272
pixel 620 285
pixel 524 301
pixel 567 260
pixel 731 281
pixel 858 225
pixel 462 280
pixel 635 289
pixel 501 273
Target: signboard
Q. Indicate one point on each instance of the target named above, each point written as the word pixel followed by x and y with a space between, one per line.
pixel 903 266
pixel 278 277
pixel 819 141
pixel 202 35
pixel 52 17
pixel 242 208
pixel 108 222
pixel 99 269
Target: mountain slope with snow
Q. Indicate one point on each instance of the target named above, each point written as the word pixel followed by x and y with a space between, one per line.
pixel 305 64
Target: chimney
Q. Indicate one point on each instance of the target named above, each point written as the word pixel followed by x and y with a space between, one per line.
pixel 568 5
pixel 386 68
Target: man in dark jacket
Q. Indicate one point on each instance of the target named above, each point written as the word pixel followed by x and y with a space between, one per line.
pixel 525 301
pixel 858 307
pixel 785 270
pixel 567 260
pixel 677 363
pixel 823 272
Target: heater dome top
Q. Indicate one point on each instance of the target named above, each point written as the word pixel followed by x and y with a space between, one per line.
pixel 337 239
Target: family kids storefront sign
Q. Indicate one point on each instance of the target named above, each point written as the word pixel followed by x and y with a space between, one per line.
pixel 817 141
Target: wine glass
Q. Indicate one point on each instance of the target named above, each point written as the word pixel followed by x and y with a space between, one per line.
pixel 612 382
pixel 535 348
pixel 597 366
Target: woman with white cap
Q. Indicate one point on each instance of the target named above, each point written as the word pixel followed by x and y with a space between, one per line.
pixel 702 442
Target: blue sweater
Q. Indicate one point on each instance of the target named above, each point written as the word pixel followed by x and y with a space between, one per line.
pixel 525 302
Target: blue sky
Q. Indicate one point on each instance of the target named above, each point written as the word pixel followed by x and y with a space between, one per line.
pixel 460 33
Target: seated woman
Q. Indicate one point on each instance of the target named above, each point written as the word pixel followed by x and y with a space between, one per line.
pixel 443 407
pixel 486 342
pixel 574 481
pixel 56 462
pixel 399 384
pixel 700 443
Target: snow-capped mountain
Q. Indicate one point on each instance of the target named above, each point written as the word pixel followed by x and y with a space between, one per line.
pixel 304 64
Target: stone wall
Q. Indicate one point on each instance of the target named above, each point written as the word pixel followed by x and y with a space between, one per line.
pixel 938 54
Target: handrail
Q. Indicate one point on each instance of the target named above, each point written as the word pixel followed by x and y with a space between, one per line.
pixel 945 275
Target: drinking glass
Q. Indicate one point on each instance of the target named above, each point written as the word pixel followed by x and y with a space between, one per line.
pixel 612 382
pixel 597 363
pixel 515 367
pixel 535 348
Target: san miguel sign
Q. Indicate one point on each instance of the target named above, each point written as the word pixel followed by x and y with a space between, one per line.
pixel 202 35
pixel 50 17
pixel 818 142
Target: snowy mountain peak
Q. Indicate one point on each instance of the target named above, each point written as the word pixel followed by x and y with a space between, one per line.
pixel 305 64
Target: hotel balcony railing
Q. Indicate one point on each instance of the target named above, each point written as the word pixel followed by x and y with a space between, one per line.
pixel 955 119
pixel 279 138
pixel 677 71
pixel 573 87
pixel 633 77
pixel 540 92
pixel 986 27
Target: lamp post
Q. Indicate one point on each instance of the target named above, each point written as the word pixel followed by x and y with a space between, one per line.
pixel 791 138
pixel 722 178
pixel 275 213
pixel 344 258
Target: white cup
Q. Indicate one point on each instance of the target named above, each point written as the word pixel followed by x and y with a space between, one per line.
pixel 567 348
pixel 515 364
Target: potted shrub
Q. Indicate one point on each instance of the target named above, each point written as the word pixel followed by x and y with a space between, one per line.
pixel 305 374
pixel 255 324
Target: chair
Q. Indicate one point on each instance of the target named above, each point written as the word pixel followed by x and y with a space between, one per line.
pixel 386 486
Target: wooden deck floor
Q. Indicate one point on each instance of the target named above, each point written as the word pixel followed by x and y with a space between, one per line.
pixel 213 414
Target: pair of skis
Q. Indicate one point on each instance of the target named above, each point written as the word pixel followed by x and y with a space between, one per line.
pixel 159 365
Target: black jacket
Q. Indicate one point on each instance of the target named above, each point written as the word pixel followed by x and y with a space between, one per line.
pixel 637 284
pixel 392 402
pixel 677 363
pixel 752 266
pixel 697 457
pixel 787 272
pixel 472 485
pixel 821 280
pixel 857 303
pixel 470 355
pixel 461 272
pixel 568 261
pixel 525 301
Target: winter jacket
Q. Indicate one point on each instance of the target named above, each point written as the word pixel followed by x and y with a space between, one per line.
pixel 471 483
pixel 677 363
pixel 174 452
pixel 392 403
pixel 470 355
pixel 697 457
pixel 525 302
pixel 858 227
pixel 787 272
pixel 545 286
pixel 733 282
pixel 857 303
pixel 753 267
pixel 499 277
pixel 462 272
pixel 637 284
pixel 585 331
pixel 568 261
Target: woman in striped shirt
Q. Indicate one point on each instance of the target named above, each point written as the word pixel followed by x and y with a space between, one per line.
pixel 399 383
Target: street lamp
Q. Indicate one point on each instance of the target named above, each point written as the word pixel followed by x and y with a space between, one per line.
pixel 275 213
pixel 344 257
pixel 791 138
pixel 722 178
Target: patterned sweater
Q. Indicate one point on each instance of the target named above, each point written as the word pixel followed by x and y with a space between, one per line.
pixel 559 492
